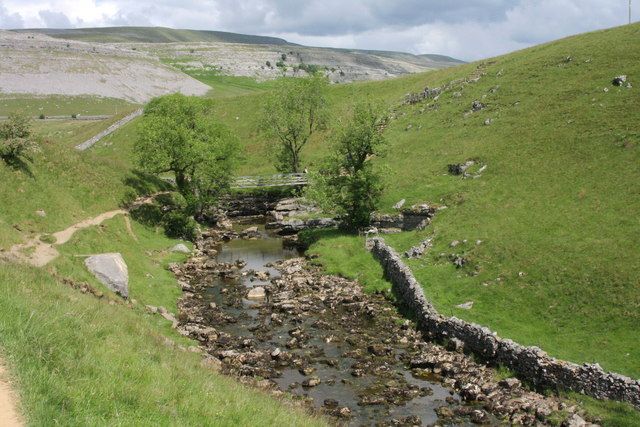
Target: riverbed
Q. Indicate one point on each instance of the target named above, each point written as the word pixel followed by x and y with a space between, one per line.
pixel 263 312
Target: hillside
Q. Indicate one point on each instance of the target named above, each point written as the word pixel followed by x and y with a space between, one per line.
pixel 549 230
pixel 41 65
pixel 243 55
pixel 153 35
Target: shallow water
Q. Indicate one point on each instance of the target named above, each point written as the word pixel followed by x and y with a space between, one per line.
pixel 326 349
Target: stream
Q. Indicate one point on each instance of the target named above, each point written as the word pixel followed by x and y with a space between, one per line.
pixel 347 354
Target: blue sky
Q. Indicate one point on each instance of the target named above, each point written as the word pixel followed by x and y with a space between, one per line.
pixel 466 29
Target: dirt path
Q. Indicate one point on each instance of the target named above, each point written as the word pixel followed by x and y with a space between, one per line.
pixel 9 416
pixel 39 253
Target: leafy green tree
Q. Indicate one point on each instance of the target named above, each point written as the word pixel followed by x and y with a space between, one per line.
pixel 17 142
pixel 349 182
pixel 179 135
pixel 292 113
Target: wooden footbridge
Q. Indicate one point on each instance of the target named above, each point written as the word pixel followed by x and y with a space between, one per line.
pixel 277 180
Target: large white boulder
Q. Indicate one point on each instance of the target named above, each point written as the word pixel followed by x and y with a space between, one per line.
pixel 111 270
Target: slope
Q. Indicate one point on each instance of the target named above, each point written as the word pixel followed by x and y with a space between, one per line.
pixel 153 35
pixel 549 231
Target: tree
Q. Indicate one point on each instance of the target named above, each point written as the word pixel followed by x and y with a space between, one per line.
pixel 348 181
pixel 292 113
pixel 16 139
pixel 179 135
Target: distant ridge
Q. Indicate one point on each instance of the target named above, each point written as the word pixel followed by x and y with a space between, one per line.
pixel 171 35
pixel 153 35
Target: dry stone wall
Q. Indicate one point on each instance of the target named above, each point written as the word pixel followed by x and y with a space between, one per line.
pixel 529 363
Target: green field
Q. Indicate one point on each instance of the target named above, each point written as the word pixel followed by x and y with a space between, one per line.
pixel 555 210
pixel 229 86
pixel 63 105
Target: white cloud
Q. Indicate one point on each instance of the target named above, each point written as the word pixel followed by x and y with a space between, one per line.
pixel 467 29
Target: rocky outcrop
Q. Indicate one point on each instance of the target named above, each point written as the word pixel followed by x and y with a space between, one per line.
pixel 293 226
pixel 530 363
pixel 416 217
pixel 248 205
pixel 292 207
pixel 111 270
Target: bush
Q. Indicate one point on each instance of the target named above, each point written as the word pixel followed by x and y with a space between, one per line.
pixel 16 140
pixel 42 116
pixel 268 64
pixel 284 56
pixel 74 116
pixel 177 225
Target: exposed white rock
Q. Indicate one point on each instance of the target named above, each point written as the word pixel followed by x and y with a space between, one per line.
pixel 111 270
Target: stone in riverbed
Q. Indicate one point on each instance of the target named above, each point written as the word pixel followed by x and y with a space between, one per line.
pixel 111 270
pixel 257 293
pixel 262 276
pixel 311 382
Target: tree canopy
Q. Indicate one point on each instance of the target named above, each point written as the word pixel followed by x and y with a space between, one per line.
pixel 348 182
pixel 292 113
pixel 179 135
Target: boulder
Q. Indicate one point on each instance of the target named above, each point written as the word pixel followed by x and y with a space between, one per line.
pixel 257 293
pixel 181 248
pixel 41 213
pixel 111 270
pixel 619 80
pixel 466 306
pixel 399 205
pixel 477 106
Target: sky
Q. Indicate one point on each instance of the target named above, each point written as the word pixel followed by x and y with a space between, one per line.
pixel 464 29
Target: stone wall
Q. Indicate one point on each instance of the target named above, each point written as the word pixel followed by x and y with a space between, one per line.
pixel 117 125
pixel 529 363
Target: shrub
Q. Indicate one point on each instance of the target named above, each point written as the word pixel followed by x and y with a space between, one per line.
pixel 16 140
pixel 178 225
pixel 268 64
pixel 42 116
pixel 74 116
pixel 284 56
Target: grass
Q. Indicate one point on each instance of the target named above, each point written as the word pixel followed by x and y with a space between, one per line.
pixel 68 185
pixel 558 263
pixel 80 361
pixel 62 105
pixel 145 250
pixel 222 86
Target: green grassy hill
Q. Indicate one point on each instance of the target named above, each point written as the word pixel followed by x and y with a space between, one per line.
pixel 555 211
